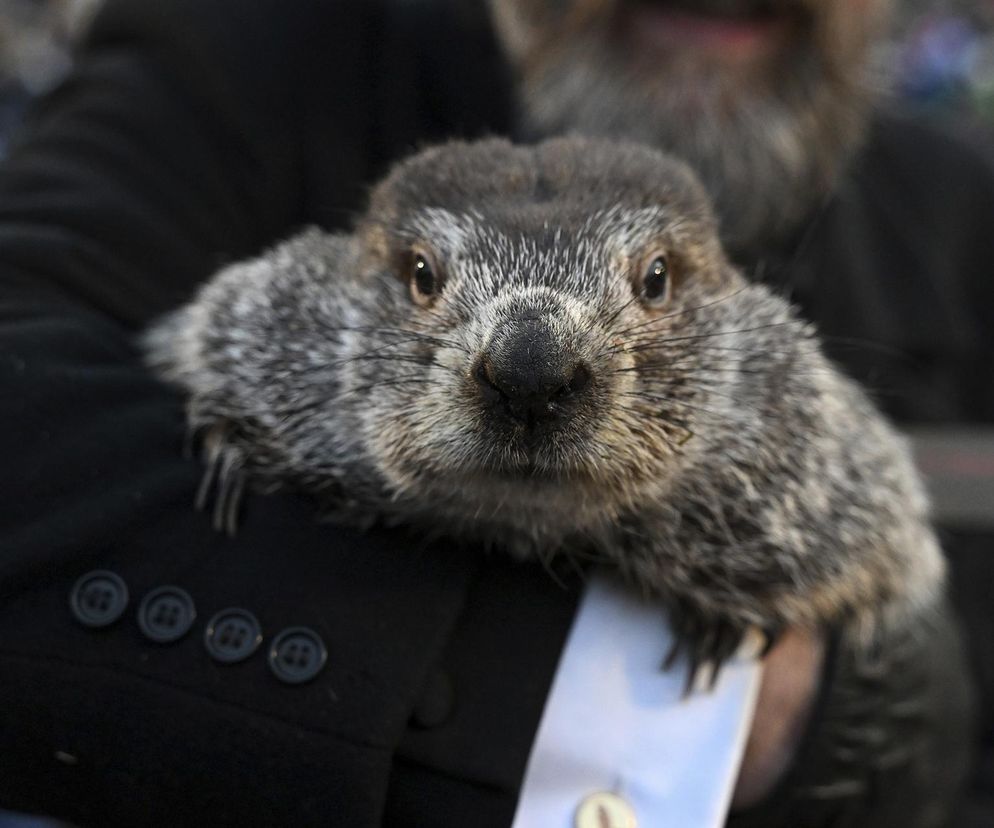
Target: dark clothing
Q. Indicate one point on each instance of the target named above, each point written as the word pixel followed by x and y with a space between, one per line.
pixel 193 133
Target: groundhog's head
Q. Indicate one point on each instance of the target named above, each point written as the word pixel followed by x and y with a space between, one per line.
pixel 556 298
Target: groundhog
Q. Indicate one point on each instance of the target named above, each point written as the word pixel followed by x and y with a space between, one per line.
pixel 546 350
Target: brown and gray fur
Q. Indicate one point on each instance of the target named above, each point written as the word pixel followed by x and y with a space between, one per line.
pixel 713 454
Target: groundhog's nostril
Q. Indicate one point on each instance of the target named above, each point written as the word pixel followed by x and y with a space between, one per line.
pixel 578 381
pixel 541 389
pixel 484 375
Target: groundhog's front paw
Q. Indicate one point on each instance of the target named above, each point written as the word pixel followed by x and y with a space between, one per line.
pixel 708 642
pixel 223 484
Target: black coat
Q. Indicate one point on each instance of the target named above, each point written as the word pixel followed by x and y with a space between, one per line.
pixel 195 132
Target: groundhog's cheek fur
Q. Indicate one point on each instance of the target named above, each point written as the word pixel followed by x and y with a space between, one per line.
pixel 414 430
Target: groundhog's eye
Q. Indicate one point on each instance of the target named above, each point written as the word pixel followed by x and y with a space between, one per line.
pixel 424 280
pixel 656 281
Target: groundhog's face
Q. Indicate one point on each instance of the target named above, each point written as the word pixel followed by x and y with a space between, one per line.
pixel 549 328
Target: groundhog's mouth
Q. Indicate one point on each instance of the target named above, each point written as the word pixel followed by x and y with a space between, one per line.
pixel 533 472
pixel 533 493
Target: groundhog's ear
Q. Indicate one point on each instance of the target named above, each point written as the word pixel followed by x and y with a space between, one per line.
pixel 732 277
pixel 374 245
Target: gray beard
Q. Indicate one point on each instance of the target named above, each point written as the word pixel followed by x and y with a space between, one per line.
pixel 768 157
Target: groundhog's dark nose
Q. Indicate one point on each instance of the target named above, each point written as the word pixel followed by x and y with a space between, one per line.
pixel 529 375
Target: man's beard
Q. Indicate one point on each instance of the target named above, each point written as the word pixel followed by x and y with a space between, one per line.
pixel 768 142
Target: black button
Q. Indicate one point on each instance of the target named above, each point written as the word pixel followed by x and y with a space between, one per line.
pixel 437 702
pixel 232 635
pixel 99 598
pixel 297 655
pixel 166 614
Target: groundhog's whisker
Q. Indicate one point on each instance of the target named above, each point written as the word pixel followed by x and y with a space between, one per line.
pixel 384 347
pixel 713 334
pixel 413 336
pixel 710 389
pixel 647 324
pixel 805 349
pixel 745 359
pixel 425 362
pixel 654 397
pixel 667 366
pixel 869 345
pixel 659 357
pixel 677 346
pixel 664 369
pixel 619 311
pixel 770 362
pixel 393 381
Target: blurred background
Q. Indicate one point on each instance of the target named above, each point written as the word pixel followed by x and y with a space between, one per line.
pixel 939 58
pixel 938 61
